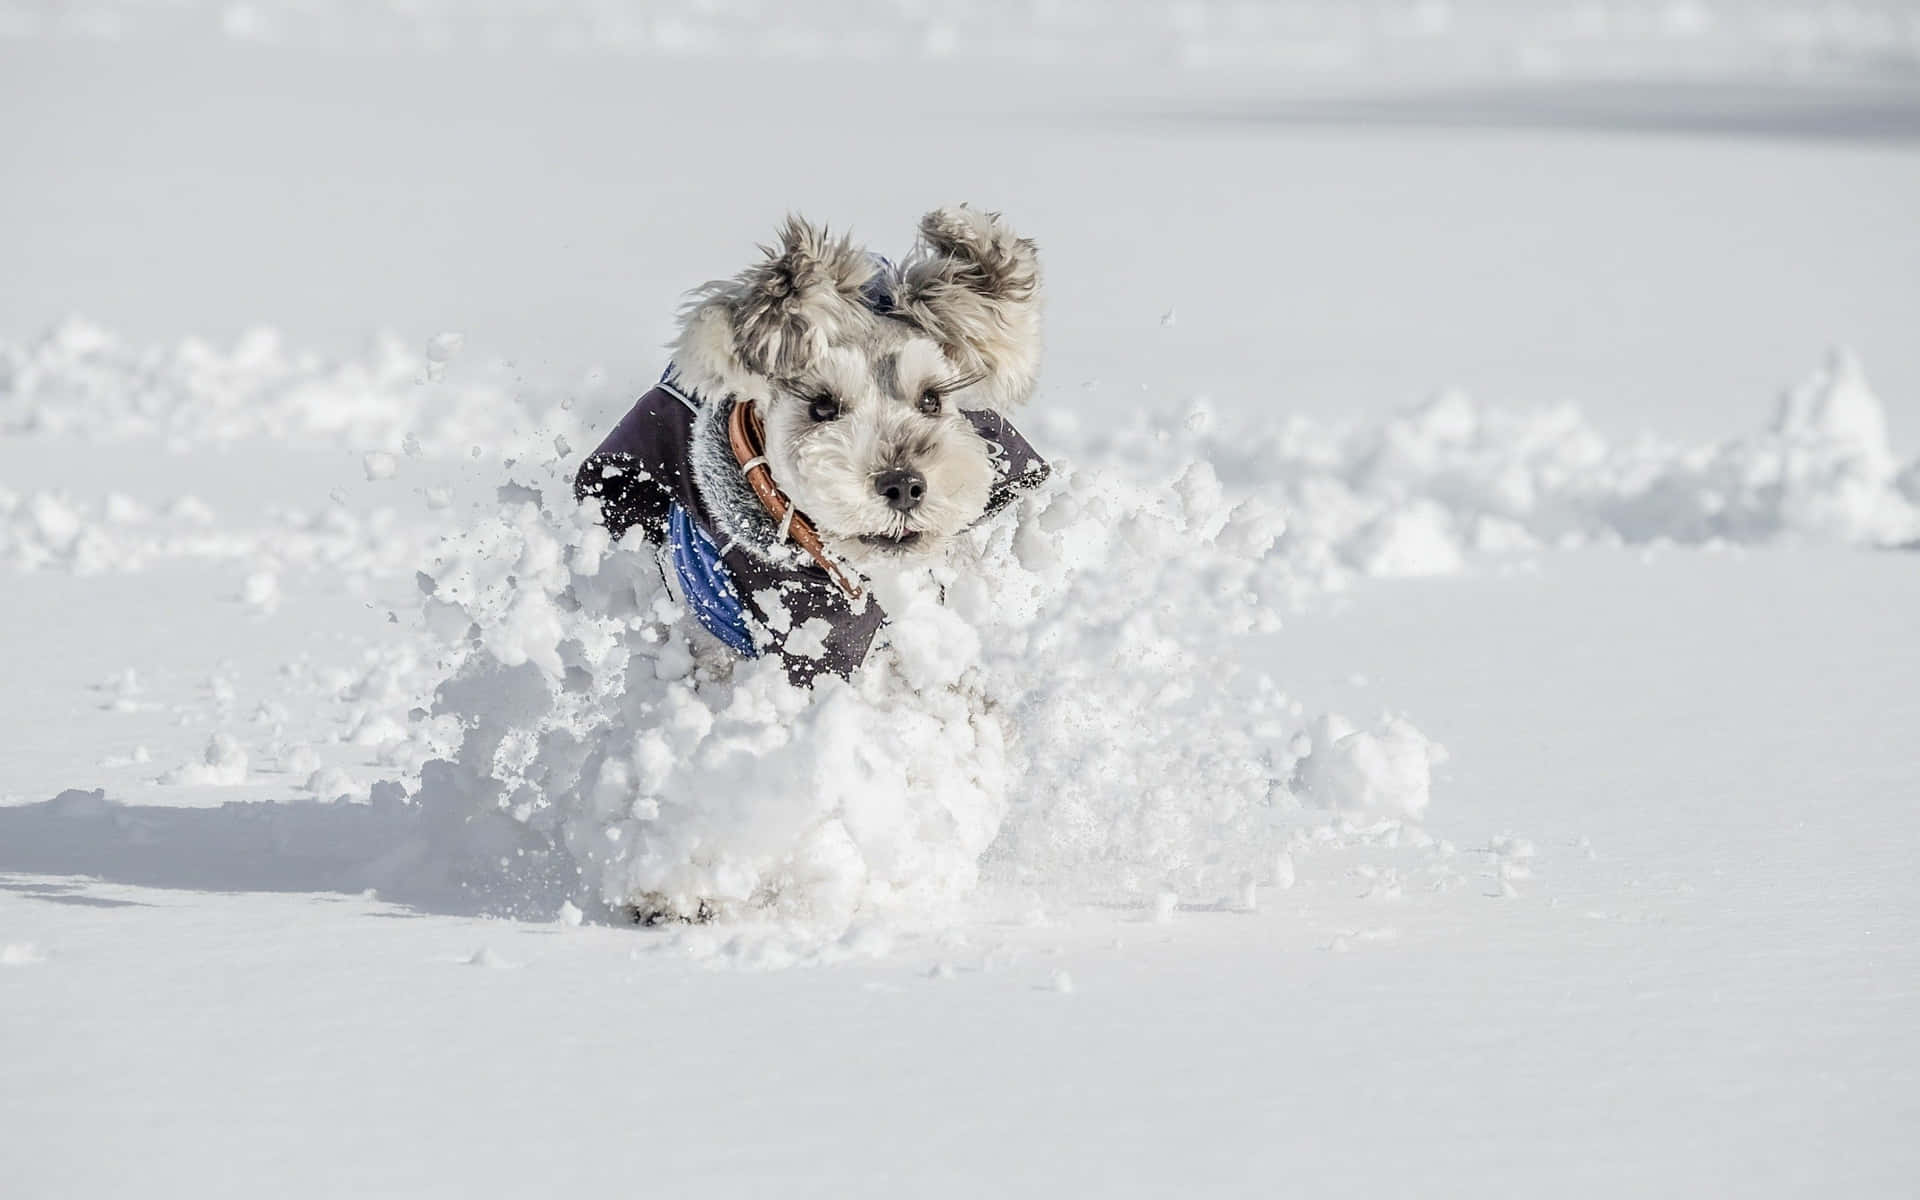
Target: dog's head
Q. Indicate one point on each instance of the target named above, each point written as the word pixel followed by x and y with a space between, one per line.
pixel 861 377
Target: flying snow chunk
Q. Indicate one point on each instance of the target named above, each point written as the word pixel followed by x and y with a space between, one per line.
pixel 810 640
pixel 443 346
pixel 1388 769
pixel 1413 541
pixel 59 524
pixel 123 509
pixel 1836 406
pixel 261 591
pixel 441 349
pixel 380 465
pixel 192 510
pixel 1283 872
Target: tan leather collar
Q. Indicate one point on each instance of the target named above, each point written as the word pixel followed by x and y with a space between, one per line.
pixel 748 436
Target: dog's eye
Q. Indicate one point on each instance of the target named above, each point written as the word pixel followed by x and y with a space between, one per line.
pixel 930 403
pixel 824 408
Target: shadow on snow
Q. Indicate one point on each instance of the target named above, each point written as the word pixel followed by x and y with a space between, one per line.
pixel 397 850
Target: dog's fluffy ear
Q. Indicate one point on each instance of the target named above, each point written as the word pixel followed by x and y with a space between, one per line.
pixel 973 285
pixel 773 318
pixel 790 306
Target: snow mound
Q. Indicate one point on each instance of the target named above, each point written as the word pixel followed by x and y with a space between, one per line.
pixel 222 764
pixel 1429 490
pixel 1056 708
pixel 79 380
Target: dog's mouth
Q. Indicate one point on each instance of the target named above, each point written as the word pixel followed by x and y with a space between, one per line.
pixel 906 539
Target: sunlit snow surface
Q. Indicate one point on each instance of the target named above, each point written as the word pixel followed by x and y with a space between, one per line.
pixel 1065 704
pixel 1334 781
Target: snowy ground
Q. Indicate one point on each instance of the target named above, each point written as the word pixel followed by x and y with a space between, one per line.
pixel 1655 931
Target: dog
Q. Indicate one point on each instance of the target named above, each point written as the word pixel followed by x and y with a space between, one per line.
pixel 827 411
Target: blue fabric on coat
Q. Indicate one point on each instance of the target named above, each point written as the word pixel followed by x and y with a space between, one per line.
pixel 706 586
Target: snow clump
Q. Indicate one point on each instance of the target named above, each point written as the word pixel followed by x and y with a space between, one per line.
pixel 222 764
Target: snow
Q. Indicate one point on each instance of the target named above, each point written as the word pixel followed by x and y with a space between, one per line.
pixel 222 764
pixel 379 465
pixel 1444 729
pixel 21 954
pixel 1387 769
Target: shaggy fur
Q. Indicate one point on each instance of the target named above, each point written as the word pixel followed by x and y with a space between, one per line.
pixel 973 285
pixel 729 498
pixel 957 327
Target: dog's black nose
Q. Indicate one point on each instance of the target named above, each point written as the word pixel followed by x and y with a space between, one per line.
pixel 902 489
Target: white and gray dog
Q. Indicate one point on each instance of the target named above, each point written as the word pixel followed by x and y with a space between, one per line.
pixel 825 410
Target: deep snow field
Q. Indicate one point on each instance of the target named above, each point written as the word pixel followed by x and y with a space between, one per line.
pixel 1449 728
